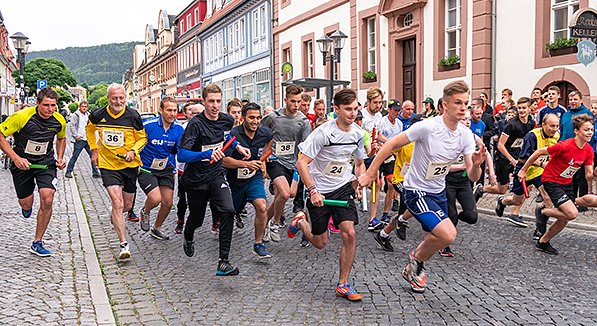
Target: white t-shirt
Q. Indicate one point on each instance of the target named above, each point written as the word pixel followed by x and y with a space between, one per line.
pixel 331 150
pixel 389 130
pixel 436 147
pixel 370 121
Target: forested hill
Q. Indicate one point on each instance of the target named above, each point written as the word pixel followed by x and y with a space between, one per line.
pixel 93 64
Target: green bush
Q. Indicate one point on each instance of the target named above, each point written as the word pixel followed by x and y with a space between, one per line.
pixel 561 43
pixel 449 60
pixel 369 74
pixel 73 107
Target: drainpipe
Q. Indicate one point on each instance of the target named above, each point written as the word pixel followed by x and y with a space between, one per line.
pixel 271 57
pixel 493 47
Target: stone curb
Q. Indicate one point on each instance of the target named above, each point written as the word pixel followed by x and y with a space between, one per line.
pixel 99 296
pixel 573 225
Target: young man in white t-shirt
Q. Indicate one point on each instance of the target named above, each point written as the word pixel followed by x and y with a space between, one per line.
pixel 438 142
pixel 324 167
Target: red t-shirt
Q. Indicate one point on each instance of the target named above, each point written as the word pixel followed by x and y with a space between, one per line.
pixel 312 118
pixel 498 109
pixel 565 158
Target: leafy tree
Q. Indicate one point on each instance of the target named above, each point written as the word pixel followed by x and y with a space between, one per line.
pixel 102 101
pixel 52 70
pixel 63 96
pixel 96 93
pixel 73 107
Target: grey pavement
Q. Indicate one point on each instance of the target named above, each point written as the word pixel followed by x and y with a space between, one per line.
pixel 497 277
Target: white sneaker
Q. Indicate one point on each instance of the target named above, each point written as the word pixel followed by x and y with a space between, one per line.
pixel 274 231
pixel 124 252
pixel 267 235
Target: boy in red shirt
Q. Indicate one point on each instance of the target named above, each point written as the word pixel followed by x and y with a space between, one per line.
pixel 565 158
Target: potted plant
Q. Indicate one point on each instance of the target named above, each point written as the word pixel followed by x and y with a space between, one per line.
pixel 562 46
pixel 450 62
pixel 369 76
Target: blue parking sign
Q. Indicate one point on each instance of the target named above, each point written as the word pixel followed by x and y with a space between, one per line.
pixel 42 83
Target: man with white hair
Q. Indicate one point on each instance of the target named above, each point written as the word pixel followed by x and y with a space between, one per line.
pixel 116 152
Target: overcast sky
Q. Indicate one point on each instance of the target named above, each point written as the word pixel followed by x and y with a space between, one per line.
pixel 62 23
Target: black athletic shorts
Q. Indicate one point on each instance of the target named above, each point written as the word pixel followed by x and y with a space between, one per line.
pixel 25 180
pixel 125 178
pixel 559 193
pixel 148 182
pixel 320 216
pixel 276 169
pixel 503 169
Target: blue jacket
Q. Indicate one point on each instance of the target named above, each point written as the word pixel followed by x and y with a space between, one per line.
pixel 566 129
pixel 161 144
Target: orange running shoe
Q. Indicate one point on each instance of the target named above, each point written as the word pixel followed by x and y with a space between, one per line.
pixel 346 291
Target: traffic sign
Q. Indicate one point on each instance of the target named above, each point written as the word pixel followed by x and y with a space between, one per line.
pixel 42 83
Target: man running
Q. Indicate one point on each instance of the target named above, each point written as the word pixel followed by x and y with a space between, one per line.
pixel 157 177
pixel 34 129
pixel 565 158
pixel 290 127
pixel 116 152
pixel 438 142
pixel 204 180
pixel 245 176
pixel 324 166
pixel 78 122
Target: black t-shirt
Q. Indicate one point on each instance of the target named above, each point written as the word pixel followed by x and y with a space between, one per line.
pixel 263 135
pixel 516 130
pixel 200 135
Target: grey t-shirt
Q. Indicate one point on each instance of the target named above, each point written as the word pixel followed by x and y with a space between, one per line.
pixel 288 133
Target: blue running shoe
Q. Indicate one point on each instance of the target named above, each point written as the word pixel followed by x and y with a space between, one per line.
pixel 261 251
pixel 385 218
pixel 375 225
pixel 26 213
pixel 226 269
pixel 37 247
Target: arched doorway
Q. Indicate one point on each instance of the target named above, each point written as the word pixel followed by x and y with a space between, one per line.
pixel 567 80
pixel 565 89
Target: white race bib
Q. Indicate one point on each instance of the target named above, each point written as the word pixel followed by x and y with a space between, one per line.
pixel 517 143
pixel 404 169
pixel 543 159
pixel 437 170
pixel 113 138
pixel 569 172
pixel 213 147
pixel 159 163
pixel 36 148
pixel 244 173
pixel 334 169
pixel 284 148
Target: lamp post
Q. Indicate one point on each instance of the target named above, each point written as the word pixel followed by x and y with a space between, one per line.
pixel 163 87
pixel 330 47
pixel 21 44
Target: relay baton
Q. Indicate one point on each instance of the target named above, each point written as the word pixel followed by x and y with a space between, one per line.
pixel 373 139
pixel 373 192
pixel 364 199
pixel 524 188
pixel 228 144
pixel 144 170
pixel 38 166
pixel 266 155
pixel 332 202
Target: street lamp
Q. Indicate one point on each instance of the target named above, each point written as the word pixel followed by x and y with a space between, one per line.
pixel 330 47
pixel 163 87
pixel 21 44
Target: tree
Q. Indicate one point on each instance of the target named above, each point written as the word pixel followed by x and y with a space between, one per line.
pixel 96 92
pixel 102 101
pixel 63 96
pixel 52 70
pixel 73 107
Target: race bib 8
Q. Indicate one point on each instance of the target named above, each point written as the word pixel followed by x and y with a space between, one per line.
pixel 36 148
pixel 334 169
pixel 569 172
pixel 284 148
pixel 113 138
pixel 437 170
pixel 244 173
pixel 517 143
pixel 159 163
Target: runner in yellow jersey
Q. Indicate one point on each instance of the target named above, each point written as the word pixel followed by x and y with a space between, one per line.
pixel 116 152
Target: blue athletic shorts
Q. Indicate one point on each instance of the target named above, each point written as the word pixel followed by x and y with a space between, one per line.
pixel 517 185
pixel 429 209
pixel 247 192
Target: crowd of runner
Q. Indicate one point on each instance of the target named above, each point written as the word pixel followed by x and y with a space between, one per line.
pixel 332 165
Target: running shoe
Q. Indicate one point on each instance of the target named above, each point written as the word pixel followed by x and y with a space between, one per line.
pixel 124 251
pixel 189 247
pixel 446 252
pixel 537 234
pixel 375 225
pixel 267 234
pixel 132 217
pixel 400 228
pixel 385 218
pixel 516 220
pixel 26 212
pixel 261 251
pixel 274 231
pixel 294 227
pixel 345 290
pixel 179 227
pixel 144 220
pixel 282 221
pixel 68 175
pixel 158 234
pixel 385 243
pixel 96 175
pixel 582 209
pixel 395 205
pixel 226 269
pixel 541 219
pixel 414 274
pixel 332 228
pixel 539 198
pixel 37 247
pixel 239 221
pixel 499 206
pixel 478 192
pixel 215 228
pixel 546 247
pixel 304 242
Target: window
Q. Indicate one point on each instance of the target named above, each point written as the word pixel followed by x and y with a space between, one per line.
pixel 227 90
pixel 236 41
pixel 263 88
pixel 247 87
pixel 561 14
pixel 259 30
pixel 371 53
pixel 182 27
pixel 196 16
pixel 309 69
pixel 452 27
pixel 189 22
pixel 213 52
